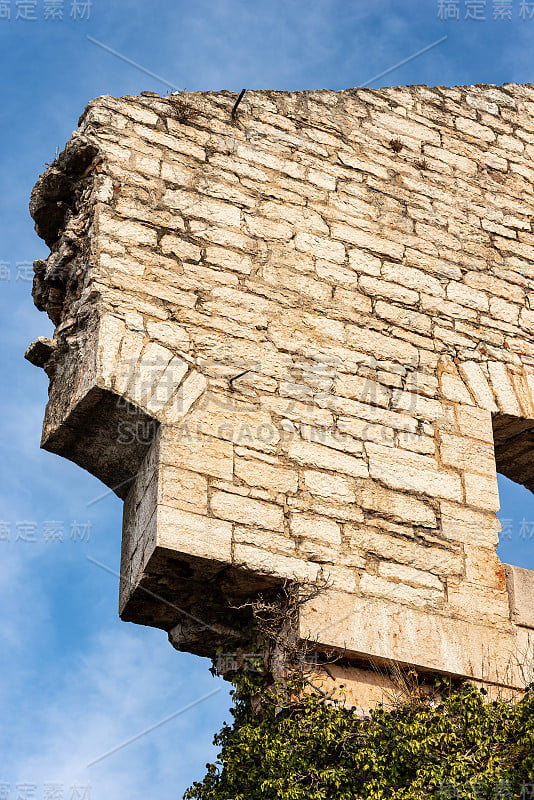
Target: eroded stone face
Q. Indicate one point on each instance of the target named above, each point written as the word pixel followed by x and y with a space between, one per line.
pixel 299 350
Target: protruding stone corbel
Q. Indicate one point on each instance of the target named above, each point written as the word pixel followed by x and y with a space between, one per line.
pixel 40 351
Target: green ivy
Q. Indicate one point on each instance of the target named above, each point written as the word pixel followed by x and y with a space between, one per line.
pixel 302 749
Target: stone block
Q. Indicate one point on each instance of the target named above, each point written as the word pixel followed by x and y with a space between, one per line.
pixel 385 630
pixel 317 455
pixel 407 471
pixel 247 511
pixel 195 451
pixel 520 586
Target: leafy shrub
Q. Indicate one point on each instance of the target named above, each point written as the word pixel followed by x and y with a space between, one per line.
pixel 288 745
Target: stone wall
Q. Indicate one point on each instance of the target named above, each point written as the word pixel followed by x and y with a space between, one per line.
pixel 298 340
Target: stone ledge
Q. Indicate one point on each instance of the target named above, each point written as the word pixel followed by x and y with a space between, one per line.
pixel 384 631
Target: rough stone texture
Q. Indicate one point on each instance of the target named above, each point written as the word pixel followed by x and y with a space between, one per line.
pixel 520 584
pixel 300 342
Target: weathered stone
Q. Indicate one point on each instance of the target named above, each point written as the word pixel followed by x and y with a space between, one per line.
pixel 399 591
pixel 401 469
pixel 334 487
pixel 316 455
pixel 465 454
pixel 248 511
pixel 438 559
pixel 428 640
pixel 273 477
pixel 520 583
pixel 404 507
pixel 300 352
pixel 195 451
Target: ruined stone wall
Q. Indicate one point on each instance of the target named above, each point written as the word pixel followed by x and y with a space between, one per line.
pixel 299 341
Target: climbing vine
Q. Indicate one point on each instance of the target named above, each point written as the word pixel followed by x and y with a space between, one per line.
pixel 290 745
pixel 291 741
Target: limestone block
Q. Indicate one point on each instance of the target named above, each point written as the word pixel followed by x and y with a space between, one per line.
pixel 366 241
pixel 393 291
pixel 165 386
pixel 384 347
pixel 184 489
pixel 334 487
pixel 362 261
pixel 130 352
pixel 311 526
pixel 125 230
pixel 368 413
pixel 110 336
pixel 520 586
pixel 484 567
pixel 504 391
pixel 246 510
pixel 383 629
pixel 474 129
pixel 475 422
pixel 270 563
pixel 222 257
pixel 408 551
pixel 464 295
pixel 522 393
pixel 419 444
pixel 424 407
pixel 409 575
pixel 317 455
pixel 356 387
pixel 466 453
pixel 470 526
pixel 149 370
pixel 241 423
pixel 354 162
pixel 482 491
pixel 401 469
pixel 406 127
pixel 416 279
pixel 478 384
pixel 193 206
pixel 181 248
pixel 332 439
pixel 399 592
pixel 180 401
pixel 307 413
pixel 255 472
pixel 195 451
pixel 320 247
pixel 479 603
pixel 405 318
pixel 501 309
pixel 403 507
pixel 260 537
pixel 194 534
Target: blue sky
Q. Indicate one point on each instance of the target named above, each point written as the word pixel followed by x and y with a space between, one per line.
pixel 75 681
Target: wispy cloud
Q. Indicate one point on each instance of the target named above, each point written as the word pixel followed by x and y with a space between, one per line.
pixel 112 694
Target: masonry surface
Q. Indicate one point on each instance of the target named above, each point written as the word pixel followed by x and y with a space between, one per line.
pixel 299 342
